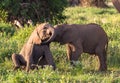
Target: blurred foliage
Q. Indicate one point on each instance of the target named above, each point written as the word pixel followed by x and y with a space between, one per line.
pixel 3 15
pixel 6 30
pixel 37 10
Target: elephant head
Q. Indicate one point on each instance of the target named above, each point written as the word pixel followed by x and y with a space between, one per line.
pixel 42 33
pixel 47 33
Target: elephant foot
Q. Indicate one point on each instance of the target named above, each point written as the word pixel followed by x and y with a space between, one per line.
pixel 33 66
pixel 16 68
pixel 54 67
pixel 103 68
pixel 75 63
pixel 23 67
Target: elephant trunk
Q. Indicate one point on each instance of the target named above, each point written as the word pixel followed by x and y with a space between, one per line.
pixel 52 37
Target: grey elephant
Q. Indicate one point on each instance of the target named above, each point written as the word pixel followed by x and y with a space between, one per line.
pixel 87 38
pixel 33 53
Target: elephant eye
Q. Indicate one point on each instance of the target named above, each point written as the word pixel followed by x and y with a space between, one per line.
pixel 45 27
pixel 44 31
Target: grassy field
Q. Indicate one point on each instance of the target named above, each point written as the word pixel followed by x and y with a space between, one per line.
pixel 87 66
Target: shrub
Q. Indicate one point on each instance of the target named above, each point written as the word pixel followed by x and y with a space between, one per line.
pixel 37 10
pixel 6 29
pixel 3 15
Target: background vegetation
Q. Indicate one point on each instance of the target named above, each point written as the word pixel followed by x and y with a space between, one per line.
pixel 36 10
pixel 11 40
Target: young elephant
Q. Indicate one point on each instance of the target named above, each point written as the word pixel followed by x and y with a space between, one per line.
pixel 87 38
pixel 32 51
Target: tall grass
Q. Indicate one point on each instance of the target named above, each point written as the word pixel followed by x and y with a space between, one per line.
pixel 86 68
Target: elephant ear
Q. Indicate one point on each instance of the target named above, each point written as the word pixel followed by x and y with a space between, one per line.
pixel 36 38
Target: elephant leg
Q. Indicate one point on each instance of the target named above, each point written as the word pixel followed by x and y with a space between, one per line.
pixel 29 56
pixel 49 57
pixel 69 51
pixel 18 61
pixel 101 53
pixel 74 52
pixel 34 66
pixel 29 63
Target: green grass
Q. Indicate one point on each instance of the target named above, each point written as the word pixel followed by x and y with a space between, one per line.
pixel 87 66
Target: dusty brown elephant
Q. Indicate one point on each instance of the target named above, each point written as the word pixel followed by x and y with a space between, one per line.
pixel 87 38
pixel 32 51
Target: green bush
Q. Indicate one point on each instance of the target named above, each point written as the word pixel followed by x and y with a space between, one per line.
pixel 6 29
pixel 37 10
pixel 3 15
